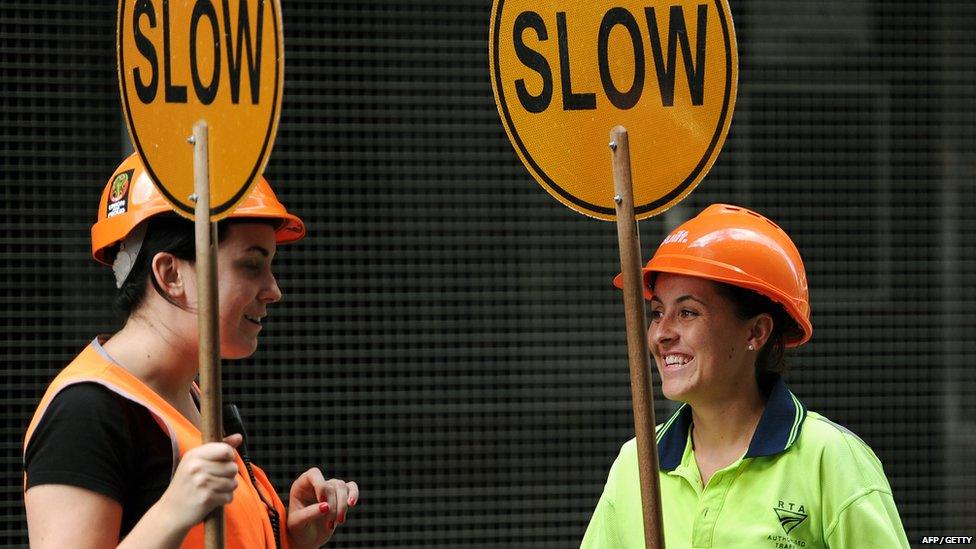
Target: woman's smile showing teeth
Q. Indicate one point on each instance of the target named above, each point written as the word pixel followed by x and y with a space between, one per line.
pixel 253 319
pixel 675 361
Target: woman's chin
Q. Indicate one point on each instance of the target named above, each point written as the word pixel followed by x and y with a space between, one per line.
pixel 676 390
pixel 238 350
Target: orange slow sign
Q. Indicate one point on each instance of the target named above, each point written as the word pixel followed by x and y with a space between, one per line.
pixel 181 61
pixel 565 72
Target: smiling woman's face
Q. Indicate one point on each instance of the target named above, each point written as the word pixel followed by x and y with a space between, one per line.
pixel 246 286
pixel 699 344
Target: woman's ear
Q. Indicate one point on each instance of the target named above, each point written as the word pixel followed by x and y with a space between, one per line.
pixel 166 271
pixel 760 330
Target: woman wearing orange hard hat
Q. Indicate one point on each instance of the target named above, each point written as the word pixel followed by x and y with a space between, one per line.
pixel 113 455
pixel 743 463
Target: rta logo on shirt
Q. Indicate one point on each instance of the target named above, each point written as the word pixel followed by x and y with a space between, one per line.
pixel 790 515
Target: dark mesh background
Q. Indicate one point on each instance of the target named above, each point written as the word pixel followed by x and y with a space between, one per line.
pixel 449 337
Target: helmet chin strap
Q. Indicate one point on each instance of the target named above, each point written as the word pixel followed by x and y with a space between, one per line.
pixel 125 260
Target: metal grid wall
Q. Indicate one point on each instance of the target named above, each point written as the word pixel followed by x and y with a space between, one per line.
pixel 449 337
pixel 59 136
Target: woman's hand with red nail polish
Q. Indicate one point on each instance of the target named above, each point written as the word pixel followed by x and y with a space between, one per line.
pixel 316 506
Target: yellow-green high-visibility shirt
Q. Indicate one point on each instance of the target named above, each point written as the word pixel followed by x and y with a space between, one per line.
pixel 804 483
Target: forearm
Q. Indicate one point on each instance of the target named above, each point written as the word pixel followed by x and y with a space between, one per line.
pixel 157 529
pixel 295 544
pixel 297 541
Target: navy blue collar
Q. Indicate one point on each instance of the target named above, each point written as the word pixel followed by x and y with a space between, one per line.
pixel 778 428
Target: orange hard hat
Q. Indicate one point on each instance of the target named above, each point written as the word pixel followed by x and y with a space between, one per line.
pixel 739 247
pixel 130 198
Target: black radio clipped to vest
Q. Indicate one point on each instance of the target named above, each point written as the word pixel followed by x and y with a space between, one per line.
pixel 234 424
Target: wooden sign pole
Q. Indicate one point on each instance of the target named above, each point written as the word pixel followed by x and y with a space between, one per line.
pixel 640 367
pixel 207 309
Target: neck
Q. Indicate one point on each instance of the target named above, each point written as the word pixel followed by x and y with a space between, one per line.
pixel 727 425
pixel 158 356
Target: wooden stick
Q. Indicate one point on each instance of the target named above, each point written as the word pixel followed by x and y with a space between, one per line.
pixel 207 309
pixel 640 363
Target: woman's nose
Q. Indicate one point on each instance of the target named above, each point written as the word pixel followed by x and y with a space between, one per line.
pixel 661 331
pixel 272 293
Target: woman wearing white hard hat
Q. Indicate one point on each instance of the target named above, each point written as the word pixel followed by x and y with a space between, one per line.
pixel 113 455
pixel 743 463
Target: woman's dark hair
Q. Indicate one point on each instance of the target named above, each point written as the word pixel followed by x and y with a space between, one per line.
pixel 169 233
pixel 771 363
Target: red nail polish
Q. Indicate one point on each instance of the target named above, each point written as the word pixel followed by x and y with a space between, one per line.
pixel 324 507
pixel 352 502
pixel 342 518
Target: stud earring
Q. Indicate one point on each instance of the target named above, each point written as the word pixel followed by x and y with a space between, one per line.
pixel 751 348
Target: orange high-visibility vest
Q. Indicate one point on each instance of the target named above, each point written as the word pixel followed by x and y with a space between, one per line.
pixel 246 521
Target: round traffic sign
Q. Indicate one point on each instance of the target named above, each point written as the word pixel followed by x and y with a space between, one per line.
pixel 181 61
pixel 565 72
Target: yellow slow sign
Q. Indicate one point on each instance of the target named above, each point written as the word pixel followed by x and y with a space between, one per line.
pixel 565 72
pixel 181 61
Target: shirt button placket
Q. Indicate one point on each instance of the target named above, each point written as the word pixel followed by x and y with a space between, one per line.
pixel 709 507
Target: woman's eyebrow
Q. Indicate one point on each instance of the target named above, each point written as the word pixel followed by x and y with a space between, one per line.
pixel 680 299
pixel 688 298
